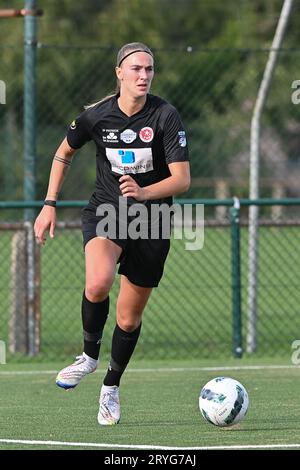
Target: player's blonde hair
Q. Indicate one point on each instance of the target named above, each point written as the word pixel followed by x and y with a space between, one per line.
pixel 124 52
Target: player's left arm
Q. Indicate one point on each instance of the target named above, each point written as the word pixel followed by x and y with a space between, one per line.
pixel 178 182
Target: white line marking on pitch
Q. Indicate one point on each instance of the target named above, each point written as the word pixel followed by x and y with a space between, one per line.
pixel 161 369
pixel 140 446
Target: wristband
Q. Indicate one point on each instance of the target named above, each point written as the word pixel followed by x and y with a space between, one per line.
pixel 48 202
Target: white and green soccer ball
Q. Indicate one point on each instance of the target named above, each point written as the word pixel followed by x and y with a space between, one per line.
pixel 223 401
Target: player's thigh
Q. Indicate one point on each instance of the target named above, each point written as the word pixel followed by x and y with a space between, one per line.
pixel 101 257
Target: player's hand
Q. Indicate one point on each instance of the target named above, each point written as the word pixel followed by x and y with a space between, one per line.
pixel 45 220
pixel 130 188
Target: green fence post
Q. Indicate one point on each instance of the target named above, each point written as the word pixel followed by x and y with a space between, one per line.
pixel 30 44
pixel 32 281
pixel 237 342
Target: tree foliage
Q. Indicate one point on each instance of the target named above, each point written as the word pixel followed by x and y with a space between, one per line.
pixel 210 57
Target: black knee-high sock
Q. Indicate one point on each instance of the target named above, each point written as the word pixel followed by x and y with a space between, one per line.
pixel 94 316
pixel 123 344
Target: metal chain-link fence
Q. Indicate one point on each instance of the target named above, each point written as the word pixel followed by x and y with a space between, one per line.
pixel 214 91
pixel 189 315
pixel 191 312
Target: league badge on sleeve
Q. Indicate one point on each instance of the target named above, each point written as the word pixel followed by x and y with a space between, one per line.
pixel 182 138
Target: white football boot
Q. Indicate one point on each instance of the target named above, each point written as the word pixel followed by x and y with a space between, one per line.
pixel 70 376
pixel 109 409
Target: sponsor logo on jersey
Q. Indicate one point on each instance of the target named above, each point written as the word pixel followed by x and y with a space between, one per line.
pixel 127 156
pixel 73 125
pixel 125 161
pixel 110 137
pixel 182 138
pixel 146 134
pixel 111 130
pixel 128 136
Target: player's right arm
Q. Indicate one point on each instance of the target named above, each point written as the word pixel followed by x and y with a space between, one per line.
pixel 46 219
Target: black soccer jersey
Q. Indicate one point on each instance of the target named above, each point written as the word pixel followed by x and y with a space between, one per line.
pixel 141 145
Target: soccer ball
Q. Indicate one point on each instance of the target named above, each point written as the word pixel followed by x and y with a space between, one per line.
pixel 223 401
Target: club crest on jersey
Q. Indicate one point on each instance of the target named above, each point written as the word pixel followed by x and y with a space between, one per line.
pixel 146 134
pixel 73 125
pixel 128 136
pixel 182 138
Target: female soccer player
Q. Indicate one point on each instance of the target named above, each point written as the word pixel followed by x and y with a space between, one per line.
pixel 142 158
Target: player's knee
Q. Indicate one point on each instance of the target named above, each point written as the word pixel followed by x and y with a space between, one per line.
pixel 98 290
pixel 128 324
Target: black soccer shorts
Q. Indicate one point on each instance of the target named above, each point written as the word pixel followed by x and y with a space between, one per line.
pixel 141 261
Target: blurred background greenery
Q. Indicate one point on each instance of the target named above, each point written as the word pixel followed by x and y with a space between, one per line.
pixel 210 56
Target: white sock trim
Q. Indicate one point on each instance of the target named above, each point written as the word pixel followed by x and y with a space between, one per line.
pixel 109 388
pixel 91 361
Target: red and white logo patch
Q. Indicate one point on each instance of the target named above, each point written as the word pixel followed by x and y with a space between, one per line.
pixel 146 134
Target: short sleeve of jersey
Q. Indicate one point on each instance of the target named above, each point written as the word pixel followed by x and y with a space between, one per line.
pixel 175 141
pixel 78 133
